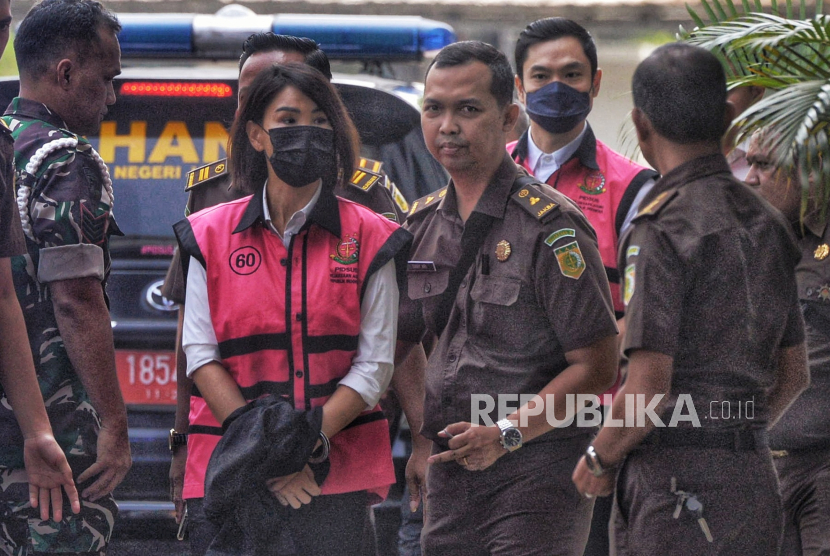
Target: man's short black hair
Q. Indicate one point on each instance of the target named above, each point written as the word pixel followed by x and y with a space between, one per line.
pixel 682 90
pixel 464 52
pixel 551 29
pixel 269 42
pixel 54 29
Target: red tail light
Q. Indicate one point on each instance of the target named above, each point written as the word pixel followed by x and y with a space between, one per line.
pixel 176 89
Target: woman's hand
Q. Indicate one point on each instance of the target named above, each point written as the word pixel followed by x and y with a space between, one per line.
pixel 295 489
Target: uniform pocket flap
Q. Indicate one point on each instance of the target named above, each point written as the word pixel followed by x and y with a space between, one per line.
pixel 421 285
pixel 496 290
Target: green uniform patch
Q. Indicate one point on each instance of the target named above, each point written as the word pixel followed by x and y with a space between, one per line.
pixel 559 234
pixel 632 251
pixel 628 287
pixel 571 261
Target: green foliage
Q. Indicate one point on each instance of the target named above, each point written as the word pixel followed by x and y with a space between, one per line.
pixel 8 63
pixel 789 54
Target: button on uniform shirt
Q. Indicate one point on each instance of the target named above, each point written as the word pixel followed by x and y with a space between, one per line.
pixel 536 290
pixel 709 280
pixel 806 424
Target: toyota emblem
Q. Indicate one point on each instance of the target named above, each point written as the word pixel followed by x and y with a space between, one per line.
pixel 158 301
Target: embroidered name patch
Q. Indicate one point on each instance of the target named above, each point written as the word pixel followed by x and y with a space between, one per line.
pixel 420 266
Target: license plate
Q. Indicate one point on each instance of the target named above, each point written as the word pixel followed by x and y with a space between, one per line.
pixel 147 377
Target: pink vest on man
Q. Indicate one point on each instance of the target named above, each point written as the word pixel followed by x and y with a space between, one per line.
pixel 603 184
pixel 287 322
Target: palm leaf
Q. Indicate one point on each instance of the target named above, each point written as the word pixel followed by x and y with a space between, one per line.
pixel 791 58
pixel 796 121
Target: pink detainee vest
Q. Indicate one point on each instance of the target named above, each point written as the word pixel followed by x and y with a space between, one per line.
pixel 287 322
pixel 599 194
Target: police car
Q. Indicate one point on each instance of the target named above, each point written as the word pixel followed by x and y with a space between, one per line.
pixel 176 99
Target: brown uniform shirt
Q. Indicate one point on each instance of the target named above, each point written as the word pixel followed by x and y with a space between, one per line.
pixel 806 424
pixel 536 290
pixel 709 280
pixel 369 186
pixel 12 242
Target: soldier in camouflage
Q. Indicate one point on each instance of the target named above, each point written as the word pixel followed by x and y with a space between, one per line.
pixel 68 55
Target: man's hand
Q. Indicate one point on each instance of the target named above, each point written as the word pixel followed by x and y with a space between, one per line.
pixel 112 463
pixel 590 485
pixel 48 472
pixel 177 465
pixel 295 489
pixel 416 471
pixel 473 447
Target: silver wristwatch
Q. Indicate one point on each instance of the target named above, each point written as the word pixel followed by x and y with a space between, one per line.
pixel 511 437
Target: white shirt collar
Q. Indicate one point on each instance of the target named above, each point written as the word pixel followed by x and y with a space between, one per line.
pixel 297 220
pixel 545 164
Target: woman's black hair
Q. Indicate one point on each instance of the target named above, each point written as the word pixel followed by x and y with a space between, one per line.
pixel 249 167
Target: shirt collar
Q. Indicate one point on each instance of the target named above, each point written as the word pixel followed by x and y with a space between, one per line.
pixel 545 164
pixel 322 210
pixel 493 201
pixel 20 106
pixel 688 172
pixel 298 219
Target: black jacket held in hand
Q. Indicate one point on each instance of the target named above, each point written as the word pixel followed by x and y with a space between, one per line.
pixel 265 439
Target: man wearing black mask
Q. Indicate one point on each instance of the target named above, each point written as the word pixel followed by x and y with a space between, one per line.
pixel 557 79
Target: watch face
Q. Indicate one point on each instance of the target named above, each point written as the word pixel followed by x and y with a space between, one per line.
pixel 512 437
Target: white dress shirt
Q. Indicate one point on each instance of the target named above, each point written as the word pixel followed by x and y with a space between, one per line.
pixel 546 164
pixel 373 364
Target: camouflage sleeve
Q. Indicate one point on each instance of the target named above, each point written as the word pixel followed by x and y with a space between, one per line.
pixel 71 215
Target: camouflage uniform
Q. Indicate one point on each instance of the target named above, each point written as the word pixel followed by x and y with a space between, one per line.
pixel 68 195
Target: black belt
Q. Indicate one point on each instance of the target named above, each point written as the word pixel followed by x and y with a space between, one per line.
pixel 738 440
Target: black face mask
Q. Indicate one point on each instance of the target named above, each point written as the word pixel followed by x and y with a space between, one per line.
pixel 557 107
pixel 302 154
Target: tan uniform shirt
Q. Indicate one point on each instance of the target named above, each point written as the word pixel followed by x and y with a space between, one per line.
pixel 709 280
pixel 536 290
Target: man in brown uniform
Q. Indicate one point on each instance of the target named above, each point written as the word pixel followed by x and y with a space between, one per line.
pixel 801 439
pixel 715 336
pixel 506 272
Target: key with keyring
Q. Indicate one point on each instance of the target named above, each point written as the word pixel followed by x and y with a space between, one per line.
pixel 696 507
pixel 681 498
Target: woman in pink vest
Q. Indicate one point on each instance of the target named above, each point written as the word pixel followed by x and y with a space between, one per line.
pixel 294 292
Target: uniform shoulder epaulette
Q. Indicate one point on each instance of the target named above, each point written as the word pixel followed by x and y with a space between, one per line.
pixel 367 174
pixel 427 201
pixel 540 205
pixel 206 173
pixel 656 204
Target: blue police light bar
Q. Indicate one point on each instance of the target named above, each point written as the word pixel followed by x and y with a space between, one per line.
pixel 342 37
